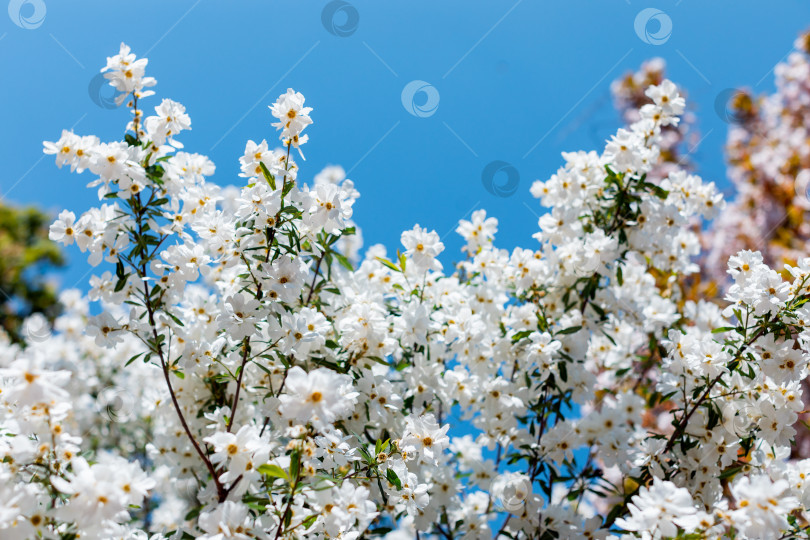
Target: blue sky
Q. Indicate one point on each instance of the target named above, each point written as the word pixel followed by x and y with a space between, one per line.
pixel 516 81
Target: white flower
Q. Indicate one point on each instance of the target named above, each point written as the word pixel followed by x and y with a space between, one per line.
pixel 320 396
pixel 512 489
pixel 293 117
pixel 126 74
pixel 478 232
pixel 423 247
pixel 73 150
pixel 240 315
pixel 170 120
pixel 229 520
pixel 63 229
pixel 236 448
pixel 27 384
pixel 666 96
pixel 659 510
pixel 329 208
pixel 534 353
pixel 424 438
pixel 762 505
pixel 102 491
pixel 106 330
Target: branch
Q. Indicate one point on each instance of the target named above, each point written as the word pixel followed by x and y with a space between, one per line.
pixel 245 352
pixel 314 278
pixel 221 493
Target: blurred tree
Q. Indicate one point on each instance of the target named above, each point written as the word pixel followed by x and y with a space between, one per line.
pixel 768 155
pixel 26 254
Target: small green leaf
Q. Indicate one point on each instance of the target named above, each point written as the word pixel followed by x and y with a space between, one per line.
pixel 121 283
pixel 569 330
pixel 344 262
pixel 722 329
pixel 267 176
pixel 389 264
pixel 393 479
pixel 269 469
pixel 174 318
pixel 731 471
pixel 132 359
pixel 295 463
pixel 520 335
pixel 287 187
pixel 307 523
pixel 377 359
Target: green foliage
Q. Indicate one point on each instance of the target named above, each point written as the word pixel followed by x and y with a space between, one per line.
pixel 26 254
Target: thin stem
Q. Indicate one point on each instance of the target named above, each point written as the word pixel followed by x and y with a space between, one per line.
pixel 245 352
pixel 314 278
pixel 222 494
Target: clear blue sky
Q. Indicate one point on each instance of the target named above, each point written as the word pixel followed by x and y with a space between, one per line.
pixel 510 76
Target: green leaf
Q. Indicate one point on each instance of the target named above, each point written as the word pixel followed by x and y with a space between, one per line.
pixel 389 264
pixel 295 463
pixel 307 523
pixel 267 176
pixel 520 335
pixel 287 188
pixel 377 359
pixel 121 283
pixel 344 262
pixel 269 469
pixel 658 191
pixel 598 309
pixel 363 452
pixel 569 330
pixel 722 329
pixel 132 359
pixel 174 318
pixel 731 471
pixel 393 479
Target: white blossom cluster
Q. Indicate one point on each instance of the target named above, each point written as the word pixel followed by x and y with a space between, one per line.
pixel 243 373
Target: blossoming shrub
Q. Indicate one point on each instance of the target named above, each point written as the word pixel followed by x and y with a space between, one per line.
pixel 769 168
pixel 247 376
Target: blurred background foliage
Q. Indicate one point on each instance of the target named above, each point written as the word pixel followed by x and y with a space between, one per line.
pixel 26 257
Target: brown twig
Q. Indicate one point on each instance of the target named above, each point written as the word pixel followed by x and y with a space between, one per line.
pixel 245 352
pixel 314 278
